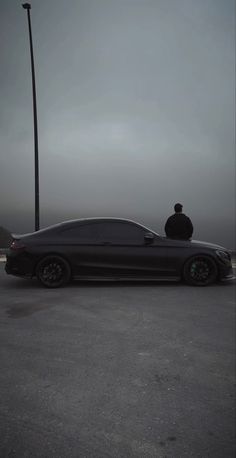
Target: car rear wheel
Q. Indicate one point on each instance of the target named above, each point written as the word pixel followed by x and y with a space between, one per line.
pixel 53 271
pixel 200 271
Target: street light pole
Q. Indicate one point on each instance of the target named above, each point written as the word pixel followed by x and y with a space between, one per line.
pixel 27 7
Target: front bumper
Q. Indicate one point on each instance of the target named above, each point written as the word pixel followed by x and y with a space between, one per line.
pixel 226 272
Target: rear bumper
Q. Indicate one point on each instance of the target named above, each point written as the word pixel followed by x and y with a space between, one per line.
pixel 20 265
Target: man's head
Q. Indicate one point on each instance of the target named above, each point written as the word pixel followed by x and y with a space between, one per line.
pixel 178 208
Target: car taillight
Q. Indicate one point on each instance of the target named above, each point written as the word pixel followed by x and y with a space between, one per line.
pixel 17 245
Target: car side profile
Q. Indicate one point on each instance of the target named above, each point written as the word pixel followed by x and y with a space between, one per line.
pixel 113 248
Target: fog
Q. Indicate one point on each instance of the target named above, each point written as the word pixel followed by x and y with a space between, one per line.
pixel 135 112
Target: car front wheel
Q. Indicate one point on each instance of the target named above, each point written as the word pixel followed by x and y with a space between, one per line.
pixel 200 271
pixel 53 271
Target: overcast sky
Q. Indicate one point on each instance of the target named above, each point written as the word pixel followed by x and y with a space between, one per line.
pixel 135 111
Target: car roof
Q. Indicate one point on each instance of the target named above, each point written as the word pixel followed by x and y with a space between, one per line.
pixel 99 218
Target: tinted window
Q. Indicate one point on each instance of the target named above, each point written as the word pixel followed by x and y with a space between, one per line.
pixel 121 233
pixel 85 232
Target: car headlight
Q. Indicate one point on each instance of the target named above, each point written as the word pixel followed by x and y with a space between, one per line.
pixel 223 255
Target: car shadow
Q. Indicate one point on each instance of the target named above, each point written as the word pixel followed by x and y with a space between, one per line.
pixel 121 283
pixel 34 284
pixel 141 284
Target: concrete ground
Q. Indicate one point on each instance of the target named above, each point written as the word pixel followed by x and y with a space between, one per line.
pixel 117 370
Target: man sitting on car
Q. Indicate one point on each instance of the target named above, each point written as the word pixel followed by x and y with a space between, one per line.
pixel 178 225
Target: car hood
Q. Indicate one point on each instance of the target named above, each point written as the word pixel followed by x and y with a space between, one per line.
pixel 195 243
pixel 207 245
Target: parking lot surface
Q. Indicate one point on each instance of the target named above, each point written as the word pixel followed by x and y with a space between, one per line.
pixel 100 370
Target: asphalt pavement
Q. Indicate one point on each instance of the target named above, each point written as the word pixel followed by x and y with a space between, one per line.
pixel 100 370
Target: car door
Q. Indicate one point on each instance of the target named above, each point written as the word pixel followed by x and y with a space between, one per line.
pixel 82 247
pixel 127 254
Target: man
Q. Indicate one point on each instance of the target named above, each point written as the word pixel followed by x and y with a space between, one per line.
pixel 179 226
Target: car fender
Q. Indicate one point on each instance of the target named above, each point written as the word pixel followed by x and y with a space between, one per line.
pixel 50 253
pixel 206 255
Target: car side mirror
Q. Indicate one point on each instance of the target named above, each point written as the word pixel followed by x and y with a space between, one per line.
pixel 149 237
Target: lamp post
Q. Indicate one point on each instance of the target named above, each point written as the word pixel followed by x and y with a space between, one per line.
pixel 27 7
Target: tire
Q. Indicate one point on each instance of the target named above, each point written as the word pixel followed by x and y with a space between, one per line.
pixel 53 271
pixel 200 271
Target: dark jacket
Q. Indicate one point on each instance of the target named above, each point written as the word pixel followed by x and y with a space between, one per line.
pixel 179 226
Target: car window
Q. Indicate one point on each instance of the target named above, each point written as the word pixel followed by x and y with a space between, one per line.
pixel 83 233
pixel 121 233
pixel 113 232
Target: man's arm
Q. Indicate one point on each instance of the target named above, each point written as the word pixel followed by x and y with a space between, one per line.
pixel 190 227
pixel 168 227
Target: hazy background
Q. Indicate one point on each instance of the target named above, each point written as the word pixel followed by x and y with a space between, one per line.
pixel 135 110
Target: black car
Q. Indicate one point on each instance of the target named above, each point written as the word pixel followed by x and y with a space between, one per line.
pixel 112 248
